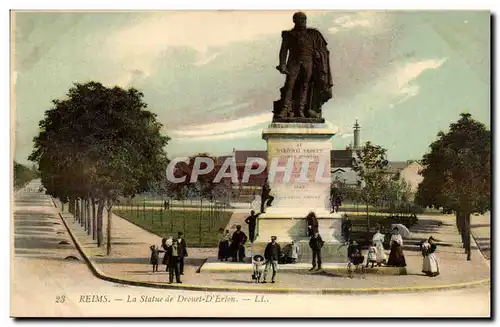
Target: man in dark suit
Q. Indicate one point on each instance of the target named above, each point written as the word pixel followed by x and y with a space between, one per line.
pixel 272 253
pixel 346 229
pixel 172 254
pixel 252 222
pixel 312 224
pixel 238 244
pixel 266 199
pixel 316 243
pixel 182 251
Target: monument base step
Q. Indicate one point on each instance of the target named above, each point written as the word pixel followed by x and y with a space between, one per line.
pixel 339 268
pixel 332 252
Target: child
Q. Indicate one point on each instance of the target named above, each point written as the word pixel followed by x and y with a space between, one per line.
pixel 258 267
pixel 354 253
pixel 294 252
pixel 372 255
pixel 155 254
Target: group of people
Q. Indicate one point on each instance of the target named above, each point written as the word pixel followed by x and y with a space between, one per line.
pixel 232 246
pixel 273 256
pixel 175 250
pixel 376 254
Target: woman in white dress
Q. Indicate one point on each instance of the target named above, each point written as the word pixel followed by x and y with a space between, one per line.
pixel 378 241
pixel 430 265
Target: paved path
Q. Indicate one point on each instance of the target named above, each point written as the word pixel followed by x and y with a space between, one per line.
pixel 39 274
pixel 481 231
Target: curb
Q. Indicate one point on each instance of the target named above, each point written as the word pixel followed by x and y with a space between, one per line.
pixel 283 290
pixel 389 271
pixel 480 252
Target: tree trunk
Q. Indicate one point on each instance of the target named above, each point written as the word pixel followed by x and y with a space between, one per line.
pixel 82 214
pixel 62 206
pixel 108 233
pixel 89 217
pixel 461 226
pixel 100 209
pixel 468 236
pixel 367 218
pixel 94 219
pixel 78 212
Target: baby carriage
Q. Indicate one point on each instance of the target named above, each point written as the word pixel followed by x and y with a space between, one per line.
pixel 258 267
pixel 355 260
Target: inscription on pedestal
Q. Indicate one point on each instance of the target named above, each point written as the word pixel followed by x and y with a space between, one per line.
pixel 301 177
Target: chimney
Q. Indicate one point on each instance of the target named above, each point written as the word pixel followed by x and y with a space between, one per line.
pixel 357 129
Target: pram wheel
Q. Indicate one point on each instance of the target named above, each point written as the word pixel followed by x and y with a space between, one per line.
pixel 349 269
pixel 358 268
pixel 362 271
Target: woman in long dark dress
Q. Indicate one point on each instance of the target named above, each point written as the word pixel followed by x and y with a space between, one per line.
pixel 165 244
pixel 396 256
pixel 224 237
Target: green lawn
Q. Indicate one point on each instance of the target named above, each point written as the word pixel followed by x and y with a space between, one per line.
pixel 168 223
pixel 157 204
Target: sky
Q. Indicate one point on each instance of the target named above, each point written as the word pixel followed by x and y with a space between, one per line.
pixel 211 78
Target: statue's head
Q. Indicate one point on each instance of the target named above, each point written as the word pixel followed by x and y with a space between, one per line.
pixel 300 19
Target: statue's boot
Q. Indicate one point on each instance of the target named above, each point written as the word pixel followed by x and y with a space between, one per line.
pixel 285 112
pixel 313 114
pixel 301 113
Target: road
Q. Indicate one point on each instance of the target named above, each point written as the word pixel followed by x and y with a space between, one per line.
pixel 44 284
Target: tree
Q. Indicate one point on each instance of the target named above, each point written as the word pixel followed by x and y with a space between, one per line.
pixel 457 173
pixel 203 185
pixel 371 166
pixel 97 144
pixel 23 174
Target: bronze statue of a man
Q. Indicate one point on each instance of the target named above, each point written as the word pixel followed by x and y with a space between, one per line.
pixel 308 78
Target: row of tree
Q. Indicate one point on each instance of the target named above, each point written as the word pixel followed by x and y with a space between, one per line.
pixel 23 174
pixel 96 145
pixel 457 174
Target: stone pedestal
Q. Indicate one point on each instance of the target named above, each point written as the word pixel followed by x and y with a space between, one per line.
pixel 303 189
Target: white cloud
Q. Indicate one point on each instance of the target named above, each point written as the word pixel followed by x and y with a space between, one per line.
pixel 217 130
pixel 137 46
pixel 410 72
pixel 227 136
pixel 399 84
pixel 333 30
pixel 350 22
pixel 204 59
pixel 365 19
pixel 346 135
